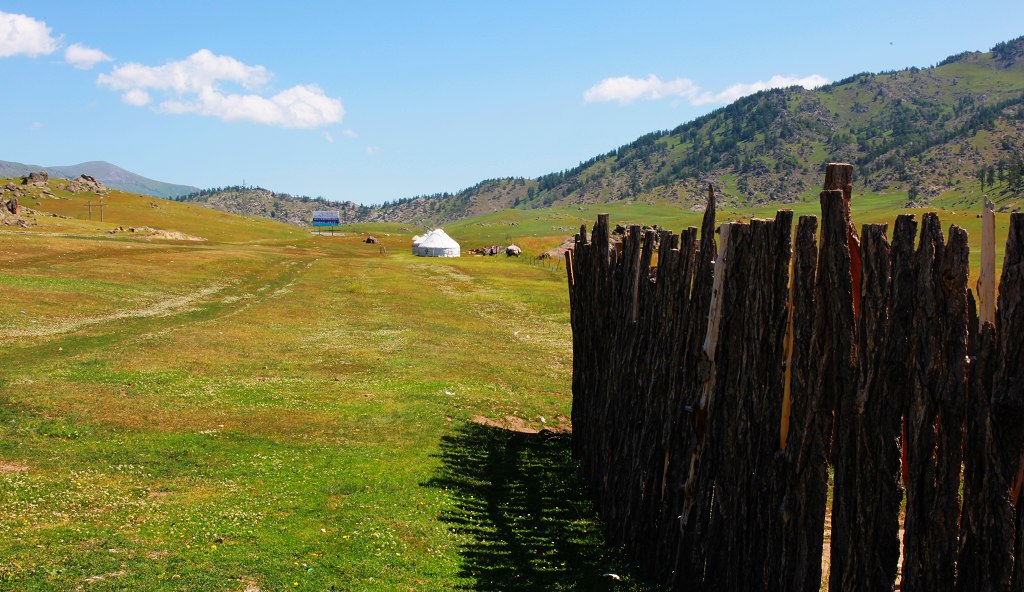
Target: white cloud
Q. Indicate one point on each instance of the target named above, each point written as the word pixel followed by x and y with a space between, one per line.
pixel 626 89
pixel 84 58
pixel 137 97
pixel 741 90
pixel 329 137
pixel 24 35
pixel 36 125
pixel 349 133
pixel 372 150
pixel 193 85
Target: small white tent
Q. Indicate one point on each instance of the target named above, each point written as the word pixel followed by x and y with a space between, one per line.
pixel 436 243
pixel 416 240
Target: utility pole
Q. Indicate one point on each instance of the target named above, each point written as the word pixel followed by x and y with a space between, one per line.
pixel 89 205
pixel 101 209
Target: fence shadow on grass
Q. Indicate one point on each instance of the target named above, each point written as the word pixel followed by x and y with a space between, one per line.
pixel 530 523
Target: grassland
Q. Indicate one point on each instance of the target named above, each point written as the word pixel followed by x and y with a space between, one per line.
pixel 268 409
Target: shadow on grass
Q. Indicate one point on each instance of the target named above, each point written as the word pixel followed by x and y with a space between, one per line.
pixel 519 499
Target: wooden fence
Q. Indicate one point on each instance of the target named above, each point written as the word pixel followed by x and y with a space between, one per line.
pixel 713 392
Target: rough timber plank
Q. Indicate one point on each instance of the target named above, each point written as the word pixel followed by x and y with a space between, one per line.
pixel 806 454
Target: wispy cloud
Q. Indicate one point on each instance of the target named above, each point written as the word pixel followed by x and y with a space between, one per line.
pixel 741 90
pixel 373 150
pixel 329 137
pixel 626 89
pixel 349 133
pixel 84 58
pixel 194 85
pixel 24 35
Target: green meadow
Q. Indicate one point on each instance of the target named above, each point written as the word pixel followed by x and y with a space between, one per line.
pixel 269 409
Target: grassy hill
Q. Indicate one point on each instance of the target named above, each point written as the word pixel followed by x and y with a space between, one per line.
pixel 917 136
pixel 60 211
pixel 110 175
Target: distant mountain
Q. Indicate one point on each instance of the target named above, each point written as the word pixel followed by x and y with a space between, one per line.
pixel 110 175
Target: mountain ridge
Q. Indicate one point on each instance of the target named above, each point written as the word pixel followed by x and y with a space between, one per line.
pixel 953 131
pixel 919 133
pixel 109 174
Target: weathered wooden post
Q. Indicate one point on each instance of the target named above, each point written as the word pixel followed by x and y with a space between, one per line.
pixel 1008 381
pixel 839 176
pixel 810 421
pixel 935 414
pixel 985 557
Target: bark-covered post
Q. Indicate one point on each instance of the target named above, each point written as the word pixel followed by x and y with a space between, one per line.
pixel 810 422
pixel 890 386
pixel 743 415
pixel 1008 381
pixel 862 532
pixel 689 553
pixel 675 428
pixel 834 332
pixel 935 412
pixel 985 556
pixel 839 176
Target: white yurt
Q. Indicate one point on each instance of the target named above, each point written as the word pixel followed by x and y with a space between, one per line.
pixel 436 243
pixel 416 240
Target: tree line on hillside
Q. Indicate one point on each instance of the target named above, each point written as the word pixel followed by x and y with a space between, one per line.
pixel 1009 172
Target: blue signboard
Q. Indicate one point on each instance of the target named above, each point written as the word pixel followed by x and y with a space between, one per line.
pixel 326 218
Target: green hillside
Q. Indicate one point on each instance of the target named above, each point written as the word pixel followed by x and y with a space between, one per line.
pixel 51 209
pixel 918 136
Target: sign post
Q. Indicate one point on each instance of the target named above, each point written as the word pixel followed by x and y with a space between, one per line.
pixel 330 218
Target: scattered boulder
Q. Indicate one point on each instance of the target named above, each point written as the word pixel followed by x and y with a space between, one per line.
pixel 36 178
pixel 11 205
pixel 371 240
pixel 513 251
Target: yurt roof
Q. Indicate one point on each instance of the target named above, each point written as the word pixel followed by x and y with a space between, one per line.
pixel 438 239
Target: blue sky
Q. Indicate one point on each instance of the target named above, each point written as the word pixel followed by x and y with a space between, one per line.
pixel 372 101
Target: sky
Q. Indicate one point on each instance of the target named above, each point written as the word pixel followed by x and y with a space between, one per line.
pixel 375 100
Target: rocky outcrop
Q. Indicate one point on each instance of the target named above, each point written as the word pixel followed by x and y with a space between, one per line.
pixel 38 178
pixel 558 253
pixel 85 183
